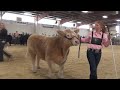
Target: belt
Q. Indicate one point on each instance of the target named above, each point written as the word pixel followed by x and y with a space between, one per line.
pixel 94 50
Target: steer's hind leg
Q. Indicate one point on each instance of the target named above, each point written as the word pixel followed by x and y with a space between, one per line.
pixel 38 61
pixel 33 58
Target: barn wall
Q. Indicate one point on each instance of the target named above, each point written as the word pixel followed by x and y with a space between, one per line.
pixel 12 27
pixel 113 28
pixel 48 30
pixel 84 32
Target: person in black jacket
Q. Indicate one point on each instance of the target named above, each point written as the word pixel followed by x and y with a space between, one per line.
pixel 26 38
pixel 22 39
pixel 9 39
pixel 3 41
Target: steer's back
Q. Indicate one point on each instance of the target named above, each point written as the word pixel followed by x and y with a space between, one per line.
pixel 36 45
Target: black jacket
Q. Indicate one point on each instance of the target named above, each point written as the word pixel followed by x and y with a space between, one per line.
pixel 9 38
pixel 3 34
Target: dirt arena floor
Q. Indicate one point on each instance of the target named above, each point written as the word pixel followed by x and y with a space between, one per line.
pixel 75 68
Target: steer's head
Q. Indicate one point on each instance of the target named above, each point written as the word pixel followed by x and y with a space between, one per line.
pixel 72 37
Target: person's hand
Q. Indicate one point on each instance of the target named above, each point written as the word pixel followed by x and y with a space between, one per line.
pixel 108 36
pixel 3 41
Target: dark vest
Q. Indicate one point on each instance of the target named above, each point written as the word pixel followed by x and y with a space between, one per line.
pixel 97 41
pixel 3 34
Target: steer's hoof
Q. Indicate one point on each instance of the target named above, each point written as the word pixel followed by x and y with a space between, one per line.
pixel 51 76
pixel 60 76
pixel 34 71
pixel 38 67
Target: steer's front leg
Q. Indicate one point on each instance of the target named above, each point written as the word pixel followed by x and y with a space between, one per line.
pixel 50 72
pixel 60 73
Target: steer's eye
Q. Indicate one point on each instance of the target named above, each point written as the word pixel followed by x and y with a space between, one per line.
pixel 68 35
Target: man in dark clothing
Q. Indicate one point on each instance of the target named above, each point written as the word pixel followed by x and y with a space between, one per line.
pixel 9 39
pixel 22 39
pixel 25 38
pixel 3 39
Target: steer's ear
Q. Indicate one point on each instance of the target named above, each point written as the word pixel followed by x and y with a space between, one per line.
pixel 76 31
pixel 61 33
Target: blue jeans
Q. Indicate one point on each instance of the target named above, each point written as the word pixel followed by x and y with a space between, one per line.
pixel 93 59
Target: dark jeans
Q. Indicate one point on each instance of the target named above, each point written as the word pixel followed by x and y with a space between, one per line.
pixel 2 51
pixel 93 59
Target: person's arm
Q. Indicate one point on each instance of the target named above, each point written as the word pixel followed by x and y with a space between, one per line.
pixel 86 39
pixel 4 34
pixel 106 40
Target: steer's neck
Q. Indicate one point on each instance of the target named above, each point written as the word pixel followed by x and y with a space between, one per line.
pixel 65 44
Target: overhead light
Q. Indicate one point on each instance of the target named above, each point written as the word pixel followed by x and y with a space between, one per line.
pixel 78 22
pixel 27 13
pixel 58 19
pixel 105 16
pixel 93 24
pixel 71 21
pixel 90 29
pixel 117 12
pixel 85 11
pixel 118 20
pixel 84 26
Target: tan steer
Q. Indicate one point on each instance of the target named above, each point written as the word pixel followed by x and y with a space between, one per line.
pixel 52 49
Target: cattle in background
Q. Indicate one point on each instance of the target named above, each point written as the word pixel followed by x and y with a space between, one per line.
pixel 52 49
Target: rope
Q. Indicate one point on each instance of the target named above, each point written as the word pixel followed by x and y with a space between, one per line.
pixel 79 49
pixel 113 55
pixel 114 59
